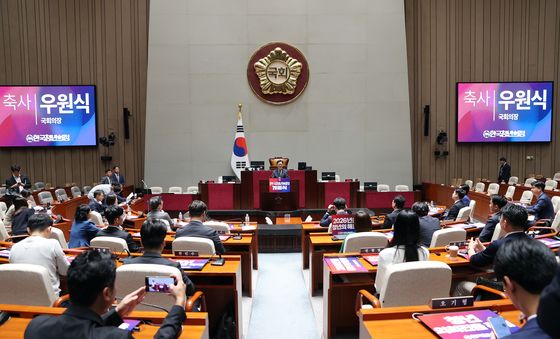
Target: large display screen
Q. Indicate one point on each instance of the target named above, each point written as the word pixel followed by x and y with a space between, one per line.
pixel 504 112
pixel 38 116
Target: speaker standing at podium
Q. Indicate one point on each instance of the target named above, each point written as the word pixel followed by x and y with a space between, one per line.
pixel 280 171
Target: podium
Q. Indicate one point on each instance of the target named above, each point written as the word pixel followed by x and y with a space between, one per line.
pixel 279 201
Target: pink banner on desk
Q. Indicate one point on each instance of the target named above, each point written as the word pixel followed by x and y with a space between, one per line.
pixel 374 199
pixel 265 175
pixel 172 202
pixel 334 190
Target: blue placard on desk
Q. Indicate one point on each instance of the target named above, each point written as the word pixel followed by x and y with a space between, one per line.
pixel 279 185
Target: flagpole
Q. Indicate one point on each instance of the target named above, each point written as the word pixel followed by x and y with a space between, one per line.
pixel 239 111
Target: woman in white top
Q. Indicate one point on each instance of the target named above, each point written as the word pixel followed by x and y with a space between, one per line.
pixel 404 247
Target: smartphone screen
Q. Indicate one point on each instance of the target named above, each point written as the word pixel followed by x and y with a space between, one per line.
pixel 159 284
pixel 499 327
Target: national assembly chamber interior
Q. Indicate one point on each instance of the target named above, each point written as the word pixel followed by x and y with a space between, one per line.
pixel 279 169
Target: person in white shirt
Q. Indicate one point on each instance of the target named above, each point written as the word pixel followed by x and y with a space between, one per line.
pixel 39 249
pixel 404 247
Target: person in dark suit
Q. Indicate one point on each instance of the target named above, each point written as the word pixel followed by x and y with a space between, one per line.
pixel 543 209
pixel 153 234
pixel 195 228
pixel 512 221
pixel 505 171
pixel 428 224
pixel 115 217
pixel 466 199
pixel 526 266
pixel 91 282
pixel 337 207
pixel 497 202
pixel 21 215
pixel 83 229
pixel 280 171
pixel 17 182
pixel 106 180
pixel 549 304
pixel 96 204
pixel 398 205
pixel 117 177
pixel 453 211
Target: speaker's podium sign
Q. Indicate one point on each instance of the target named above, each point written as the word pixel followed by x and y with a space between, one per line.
pixel 279 185
pixel 342 225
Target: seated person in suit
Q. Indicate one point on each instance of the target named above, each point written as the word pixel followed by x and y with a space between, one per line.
pixel 96 204
pixel 398 205
pixel 404 247
pixel 280 171
pixel 21 215
pixel 497 202
pixel 91 282
pixel 17 182
pixel 115 217
pixel 117 177
pixel 196 228
pixel 453 211
pixel 106 180
pixel 466 199
pixel 362 222
pixel 156 212
pixel 338 207
pixel 548 307
pixel 512 222
pixel 83 229
pixel 153 234
pixel 526 266
pixel 428 224
pixel 543 209
pixel 9 215
pixel 39 249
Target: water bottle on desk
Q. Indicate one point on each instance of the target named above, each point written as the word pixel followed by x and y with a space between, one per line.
pixel 247 220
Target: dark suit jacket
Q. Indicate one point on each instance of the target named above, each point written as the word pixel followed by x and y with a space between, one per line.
pixel 428 225
pixel 95 206
pixel 156 258
pixel 530 330
pixel 391 217
pixel 453 211
pixel 113 231
pixel 549 306
pixel 19 221
pixel 11 181
pixel 81 322
pixel 543 209
pixel 197 229
pixel 283 173
pixel 505 173
pixel 119 181
pixel 106 180
pixel 486 257
pixel 488 230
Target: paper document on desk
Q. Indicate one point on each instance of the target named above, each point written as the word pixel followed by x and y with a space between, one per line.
pixel 345 264
pixel 248 228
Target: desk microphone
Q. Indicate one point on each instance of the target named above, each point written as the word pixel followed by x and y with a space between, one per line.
pixel 219 262
pixel 145 185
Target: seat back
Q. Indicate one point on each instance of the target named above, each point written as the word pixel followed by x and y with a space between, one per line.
pixel 337 178
pixel 45 197
pixel 550 185
pixel 220 179
pixel 556 222
pixel 529 181
pixel 555 203
pixel 113 243
pixel 56 233
pixel 2 191
pixel 39 185
pixel 401 188
pixel 273 162
pixel 3 210
pixel 480 186
pixel 202 245
pixel 61 194
pixel 96 218
pixel 129 277
pixel 526 197
pixel 32 279
pixel 444 236
pixel 510 192
pixel 415 283
pixel 469 182
pixel 498 233
pixel 472 205
pixel 354 242
pixel 156 189
pixel 192 190
pixel 76 192
pixel 383 188
pixel 493 188
pixel 86 189
pixel 175 189
pixel 3 232
pixel 464 212
pixel 556 176
pixel 220 226
pixel 513 180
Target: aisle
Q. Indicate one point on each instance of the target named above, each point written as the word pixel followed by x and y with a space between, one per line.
pixel 281 304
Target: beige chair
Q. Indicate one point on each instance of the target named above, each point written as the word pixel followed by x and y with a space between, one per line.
pixel 479 187
pixel 192 190
pixel 3 210
pixel 113 243
pixel 4 235
pixel 274 162
pixel 337 178
pixel 61 194
pixel 555 203
pixel 202 245
pixel 469 182
pixel 510 192
pixel 493 188
pixel 86 189
pixel 39 185
pixel 556 176
pixel 513 181
pixel 2 191
pixel 32 279
pixel 445 236
pixel 175 190
pixel 410 283
pixel 383 188
pixel 56 233
pixel 526 197
pixel 529 181
pixel 464 213
pixel 76 192
pixel 354 242
pixel 550 185
pixel 556 222
pixel 45 197
pixel 96 218
pixel 156 189
pixel 220 179
pixel 402 188
pixel 498 233
pixel 472 205
pixel 220 226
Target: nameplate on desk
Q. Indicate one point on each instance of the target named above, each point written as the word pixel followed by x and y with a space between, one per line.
pixel 550 242
pixel 4 253
pixel 278 185
pixel 373 250
pixel 185 253
pixel 439 303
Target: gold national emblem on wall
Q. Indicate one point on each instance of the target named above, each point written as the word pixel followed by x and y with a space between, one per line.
pixel 278 73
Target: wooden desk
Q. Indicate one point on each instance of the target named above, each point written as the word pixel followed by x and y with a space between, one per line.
pixel 195 326
pixel 306 229
pixel 397 322
pixel 238 228
pixel 68 208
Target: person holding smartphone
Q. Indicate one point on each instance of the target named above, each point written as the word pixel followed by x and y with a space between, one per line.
pixel 17 182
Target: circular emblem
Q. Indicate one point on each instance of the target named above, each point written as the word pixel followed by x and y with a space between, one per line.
pixel 278 73
pixel 240 147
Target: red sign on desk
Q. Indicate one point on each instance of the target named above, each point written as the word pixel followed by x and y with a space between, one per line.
pixel 276 185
